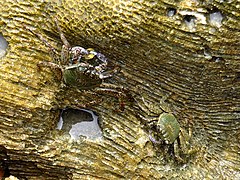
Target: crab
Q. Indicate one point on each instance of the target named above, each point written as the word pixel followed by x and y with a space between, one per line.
pixel 83 69
pixel 165 130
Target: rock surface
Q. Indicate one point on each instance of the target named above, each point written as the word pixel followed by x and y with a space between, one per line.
pixel 185 51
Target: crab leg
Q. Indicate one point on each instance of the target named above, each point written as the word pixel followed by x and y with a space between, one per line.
pixel 63 38
pixel 39 36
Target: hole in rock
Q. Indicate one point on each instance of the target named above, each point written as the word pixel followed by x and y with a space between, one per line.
pixel 215 18
pixel 80 123
pixel 171 12
pixel 217 59
pixel 4 159
pixel 189 21
pixel 3 46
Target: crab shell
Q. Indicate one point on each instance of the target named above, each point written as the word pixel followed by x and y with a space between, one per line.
pixel 169 127
pixel 76 76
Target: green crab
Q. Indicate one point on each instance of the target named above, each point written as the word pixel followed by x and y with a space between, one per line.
pixel 164 129
pixel 82 69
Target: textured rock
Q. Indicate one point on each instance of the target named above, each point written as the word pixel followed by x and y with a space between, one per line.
pixel 170 49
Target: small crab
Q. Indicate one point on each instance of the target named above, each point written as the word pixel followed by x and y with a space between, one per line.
pixel 164 128
pixel 83 69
